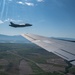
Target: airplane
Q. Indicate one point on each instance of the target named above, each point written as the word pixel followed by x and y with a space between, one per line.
pixel 63 48
pixel 18 25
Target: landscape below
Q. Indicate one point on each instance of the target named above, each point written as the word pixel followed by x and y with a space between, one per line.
pixel 18 56
pixel 29 59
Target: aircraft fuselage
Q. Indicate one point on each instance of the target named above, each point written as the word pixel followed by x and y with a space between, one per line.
pixel 17 25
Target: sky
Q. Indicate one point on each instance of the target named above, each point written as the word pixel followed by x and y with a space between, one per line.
pixel 52 18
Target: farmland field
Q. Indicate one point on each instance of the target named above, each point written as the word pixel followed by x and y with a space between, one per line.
pixel 29 59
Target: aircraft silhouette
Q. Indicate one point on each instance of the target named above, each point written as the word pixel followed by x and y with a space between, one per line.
pixel 19 25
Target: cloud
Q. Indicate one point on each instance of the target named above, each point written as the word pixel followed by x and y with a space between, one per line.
pixel 13 20
pixel 20 3
pixel 29 4
pixel 6 20
pixel 1 22
pixel 9 20
pixel 26 3
pixel 40 0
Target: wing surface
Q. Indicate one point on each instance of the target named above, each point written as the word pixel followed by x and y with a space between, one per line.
pixel 64 49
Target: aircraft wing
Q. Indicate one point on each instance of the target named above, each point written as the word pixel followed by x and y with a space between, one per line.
pixel 62 48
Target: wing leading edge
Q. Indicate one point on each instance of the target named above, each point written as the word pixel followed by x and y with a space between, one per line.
pixel 62 48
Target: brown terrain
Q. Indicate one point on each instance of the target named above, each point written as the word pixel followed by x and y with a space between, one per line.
pixel 24 68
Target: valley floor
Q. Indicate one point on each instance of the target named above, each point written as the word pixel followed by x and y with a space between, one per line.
pixel 29 59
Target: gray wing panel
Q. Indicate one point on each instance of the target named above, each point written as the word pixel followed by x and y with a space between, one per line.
pixel 61 48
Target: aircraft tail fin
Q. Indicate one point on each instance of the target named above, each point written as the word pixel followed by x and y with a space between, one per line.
pixel 11 23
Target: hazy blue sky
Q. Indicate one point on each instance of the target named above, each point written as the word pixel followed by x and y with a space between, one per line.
pixel 53 18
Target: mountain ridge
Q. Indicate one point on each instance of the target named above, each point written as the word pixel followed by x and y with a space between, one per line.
pixel 12 39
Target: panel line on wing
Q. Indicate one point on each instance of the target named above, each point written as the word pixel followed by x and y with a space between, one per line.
pixel 67 52
pixel 61 55
pixel 31 37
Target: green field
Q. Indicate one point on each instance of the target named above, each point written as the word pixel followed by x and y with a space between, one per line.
pixel 13 53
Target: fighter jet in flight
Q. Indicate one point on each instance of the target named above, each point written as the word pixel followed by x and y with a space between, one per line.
pixel 19 25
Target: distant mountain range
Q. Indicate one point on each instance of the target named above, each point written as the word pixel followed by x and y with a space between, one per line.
pixel 20 39
pixel 65 39
pixel 13 39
